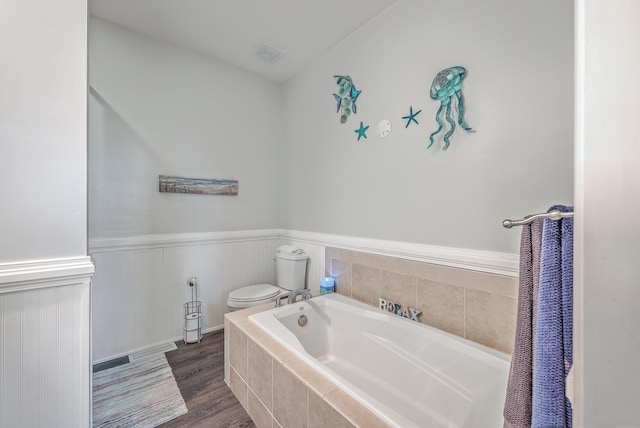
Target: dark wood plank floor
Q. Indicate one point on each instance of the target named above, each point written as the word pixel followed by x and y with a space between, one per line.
pixel 199 372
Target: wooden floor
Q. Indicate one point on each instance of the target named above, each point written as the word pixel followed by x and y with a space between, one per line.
pixel 199 372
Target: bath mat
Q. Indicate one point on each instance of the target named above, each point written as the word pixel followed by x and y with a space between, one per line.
pixel 143 393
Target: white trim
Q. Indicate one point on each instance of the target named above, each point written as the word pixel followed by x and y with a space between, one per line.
pixel 163 346
pixel 482 261
pixel 100 245
pixel 577 381
pixel 36 274
pixel 160 349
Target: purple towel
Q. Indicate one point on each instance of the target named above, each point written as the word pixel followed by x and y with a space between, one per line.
pixel 554 328
pixel 518 401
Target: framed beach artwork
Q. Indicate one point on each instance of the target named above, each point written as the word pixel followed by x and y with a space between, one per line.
pixel 202 186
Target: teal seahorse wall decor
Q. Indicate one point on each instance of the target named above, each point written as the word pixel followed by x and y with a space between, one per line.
pixel 346 97
pixel 445 86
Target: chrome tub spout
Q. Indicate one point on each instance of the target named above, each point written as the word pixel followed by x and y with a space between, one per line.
pixel 306 294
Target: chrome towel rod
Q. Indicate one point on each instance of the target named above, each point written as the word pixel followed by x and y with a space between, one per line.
pixel 553 215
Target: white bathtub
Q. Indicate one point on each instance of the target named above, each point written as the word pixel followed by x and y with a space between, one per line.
pixel 409 374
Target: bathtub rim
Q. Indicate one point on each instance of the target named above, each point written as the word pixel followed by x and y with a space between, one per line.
pixel 258 317
pixel 292 344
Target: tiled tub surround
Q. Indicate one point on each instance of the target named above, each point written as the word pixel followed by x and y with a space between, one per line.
pixel 475 305
pixel 408 374
pixel 280 390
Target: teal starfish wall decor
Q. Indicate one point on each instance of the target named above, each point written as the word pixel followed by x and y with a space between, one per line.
pixel 362 131
pixel 411 117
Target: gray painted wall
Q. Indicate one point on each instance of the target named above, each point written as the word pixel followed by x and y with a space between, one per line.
pixel 157 109
pixel 42 132
pixel 518 92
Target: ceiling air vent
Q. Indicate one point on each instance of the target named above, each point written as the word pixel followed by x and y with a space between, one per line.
pixel 268 53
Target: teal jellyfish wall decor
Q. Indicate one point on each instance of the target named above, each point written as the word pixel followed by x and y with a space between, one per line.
pixel 446 84
pixel 346 97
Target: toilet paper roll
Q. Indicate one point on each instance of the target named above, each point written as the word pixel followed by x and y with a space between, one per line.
pixel 192 336
pixel 193 320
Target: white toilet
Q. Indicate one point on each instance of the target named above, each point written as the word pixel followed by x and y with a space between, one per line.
pixel 291 271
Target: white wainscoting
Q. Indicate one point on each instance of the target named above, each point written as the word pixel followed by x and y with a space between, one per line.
pixel 140 282
pixel 45 343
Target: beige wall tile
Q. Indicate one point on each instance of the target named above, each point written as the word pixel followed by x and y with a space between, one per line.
pixel 260 373
pixel 504 285
pixel 365 284
pixel 353 411
pixel 281 354
pixel 322 415
pixel 226 351
pixel 490 319
pixel 390 264
pixel 401 266
pixel 275 349
pixel 260 336
pixel 238 387
pixel 419 269
pixel 327 261
pixel 341 272
pixel 227 363
pixel 342 254
pixel 235 317
pixel 289 399
pixel 257 412
pixel 399 288
pixel 442 306
pixel 464 278
pixel 311 377
pixel 238 350
pixel 490 302
pixel 251 329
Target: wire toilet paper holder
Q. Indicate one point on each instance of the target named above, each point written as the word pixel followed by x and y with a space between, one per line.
pixel 193 315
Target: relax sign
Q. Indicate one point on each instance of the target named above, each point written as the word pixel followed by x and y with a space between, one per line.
pixel 395 308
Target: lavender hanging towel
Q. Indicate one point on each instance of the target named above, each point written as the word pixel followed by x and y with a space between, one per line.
pixel 554 328
pixel 518 400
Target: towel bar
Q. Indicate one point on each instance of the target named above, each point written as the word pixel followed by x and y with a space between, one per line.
pixel 553 215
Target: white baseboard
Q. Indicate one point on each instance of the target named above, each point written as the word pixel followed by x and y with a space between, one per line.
pixel 161 349
pixel 164 346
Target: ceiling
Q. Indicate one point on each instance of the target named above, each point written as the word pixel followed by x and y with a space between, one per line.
pixel 231 30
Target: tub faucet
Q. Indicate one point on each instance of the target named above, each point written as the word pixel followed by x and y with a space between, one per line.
pixel 278 300
pixel 306 294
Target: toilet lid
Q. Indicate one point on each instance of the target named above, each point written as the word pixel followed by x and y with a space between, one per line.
pixel 254 293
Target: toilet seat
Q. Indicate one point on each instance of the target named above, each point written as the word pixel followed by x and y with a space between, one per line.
pixel 251 295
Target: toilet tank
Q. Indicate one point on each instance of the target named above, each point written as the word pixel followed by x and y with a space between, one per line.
pixel 291 267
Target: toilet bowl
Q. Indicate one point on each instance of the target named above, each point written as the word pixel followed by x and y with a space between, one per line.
pixel 253 295
pixel 291 269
